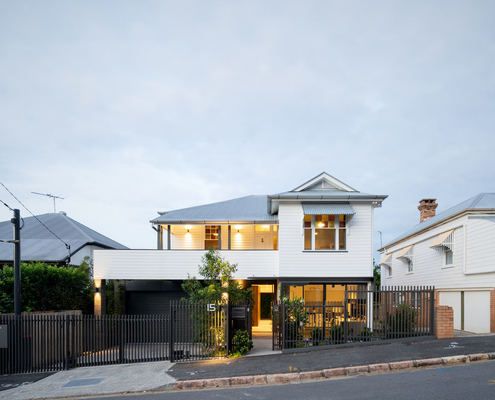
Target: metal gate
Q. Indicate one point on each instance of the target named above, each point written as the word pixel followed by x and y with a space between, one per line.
pixel 41 342
pixel 361 316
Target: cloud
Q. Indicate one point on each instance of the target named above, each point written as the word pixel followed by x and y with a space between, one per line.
pixel 163 105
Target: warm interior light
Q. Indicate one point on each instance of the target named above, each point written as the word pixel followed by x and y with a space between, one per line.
pixel 321 225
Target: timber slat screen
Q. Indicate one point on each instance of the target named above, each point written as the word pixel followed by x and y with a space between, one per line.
pixel 361 316
pixel 51 342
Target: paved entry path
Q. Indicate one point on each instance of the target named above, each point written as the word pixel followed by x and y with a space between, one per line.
pixel 262 346
pixel 95 381
pixel 338 356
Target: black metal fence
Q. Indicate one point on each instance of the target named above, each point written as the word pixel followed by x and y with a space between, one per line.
pixel 38 343
pixel 360 316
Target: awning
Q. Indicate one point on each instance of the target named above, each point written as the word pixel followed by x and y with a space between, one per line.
pixel 386 259
pixel 443 240
pixel 406 252
pixel 327 208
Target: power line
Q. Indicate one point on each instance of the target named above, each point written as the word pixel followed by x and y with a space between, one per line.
pixel 67 246
pixel 6 205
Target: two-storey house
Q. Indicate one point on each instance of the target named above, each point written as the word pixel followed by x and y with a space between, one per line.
pixel 453 251
pixel 309 242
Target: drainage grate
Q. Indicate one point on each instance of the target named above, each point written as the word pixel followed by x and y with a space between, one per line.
pixel 83 382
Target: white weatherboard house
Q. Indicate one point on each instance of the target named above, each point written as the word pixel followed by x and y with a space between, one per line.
pixel 308 242
pixel 455 252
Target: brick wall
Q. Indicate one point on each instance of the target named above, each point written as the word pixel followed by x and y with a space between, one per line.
pixel 492 311
pixel 444 322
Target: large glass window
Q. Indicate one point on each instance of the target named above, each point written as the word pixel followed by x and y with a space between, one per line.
pixel 313 294
pixel 212 237
pixel 325 232
pixel 295 292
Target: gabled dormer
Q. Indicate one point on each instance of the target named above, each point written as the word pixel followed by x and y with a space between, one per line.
pixel 324 181
pixel 323 188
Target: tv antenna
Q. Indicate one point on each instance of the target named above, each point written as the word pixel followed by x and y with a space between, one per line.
pixel 52 196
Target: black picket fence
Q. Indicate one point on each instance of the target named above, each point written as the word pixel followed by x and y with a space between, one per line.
pixel 38 343
pixel 361 316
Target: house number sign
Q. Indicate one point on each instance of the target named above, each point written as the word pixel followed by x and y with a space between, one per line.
pixel 211 307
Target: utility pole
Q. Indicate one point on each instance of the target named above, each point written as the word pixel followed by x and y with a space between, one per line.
pixel 17 261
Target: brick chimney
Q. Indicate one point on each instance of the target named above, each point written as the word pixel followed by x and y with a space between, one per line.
pixel 427 209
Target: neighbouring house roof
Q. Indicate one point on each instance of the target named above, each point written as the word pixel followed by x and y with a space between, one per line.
pixel 249 208
pixel 38 244
pixel 263 208
pixel 480 202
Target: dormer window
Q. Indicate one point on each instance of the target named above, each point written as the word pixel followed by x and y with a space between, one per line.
pixel 324 232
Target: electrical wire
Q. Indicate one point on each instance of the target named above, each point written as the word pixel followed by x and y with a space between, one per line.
pixel 6 205
pixel 67 246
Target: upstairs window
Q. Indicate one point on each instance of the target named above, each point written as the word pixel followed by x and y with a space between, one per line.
pixel 212 237
pixel 324 232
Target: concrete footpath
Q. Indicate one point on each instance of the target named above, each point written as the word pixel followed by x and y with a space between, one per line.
pixel 338 356
pixel 273 369
pixel 90 381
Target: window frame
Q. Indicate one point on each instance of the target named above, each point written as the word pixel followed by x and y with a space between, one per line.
pixel 218 237
pixel 448 246
pixel 337 228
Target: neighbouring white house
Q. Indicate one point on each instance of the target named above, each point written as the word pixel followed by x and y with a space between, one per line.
pixel 309 242
pixel 453 251
pixel 38 242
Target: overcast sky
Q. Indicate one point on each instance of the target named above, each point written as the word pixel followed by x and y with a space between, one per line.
pixel 127 108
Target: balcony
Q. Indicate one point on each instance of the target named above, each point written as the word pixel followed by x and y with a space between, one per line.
pixel 179 264
pixel 242 236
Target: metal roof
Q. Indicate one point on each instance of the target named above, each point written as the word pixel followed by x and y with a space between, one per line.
pixel 327 208
pixel 249 209
pixel 480 202
pixel 327 194
pixel 38 244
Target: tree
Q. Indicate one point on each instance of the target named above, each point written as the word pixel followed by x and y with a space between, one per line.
pixel 216 283
pixel 376 274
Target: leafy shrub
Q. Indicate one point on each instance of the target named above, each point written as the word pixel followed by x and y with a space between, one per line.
pixel 296 317
pixel 47 287
pixel 402 322
pixel 336 333
pixel 316 336
pixel 241 343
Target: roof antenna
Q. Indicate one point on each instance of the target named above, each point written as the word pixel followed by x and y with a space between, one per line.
pixel 52 196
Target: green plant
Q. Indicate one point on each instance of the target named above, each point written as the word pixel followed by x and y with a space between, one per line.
pixel 336 333
pixel 296 317
pixel 47 287
pixel 402 322
pixel 217 282
pixel 316 336
pixel 241 343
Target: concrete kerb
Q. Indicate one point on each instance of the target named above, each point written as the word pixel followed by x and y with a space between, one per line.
pixel 330 373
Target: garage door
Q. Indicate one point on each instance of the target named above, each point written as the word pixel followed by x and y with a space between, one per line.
pixel 453 299
pixel 477 311
pixel 150 302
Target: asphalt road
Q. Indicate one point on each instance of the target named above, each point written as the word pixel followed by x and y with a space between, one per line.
pixel 472 381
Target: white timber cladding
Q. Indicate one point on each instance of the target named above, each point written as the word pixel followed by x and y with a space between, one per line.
pixel 355 261
pixel 480 234
pixel 473 256
pixel 177 264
